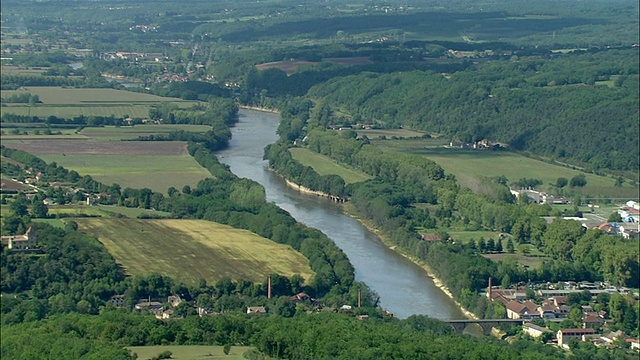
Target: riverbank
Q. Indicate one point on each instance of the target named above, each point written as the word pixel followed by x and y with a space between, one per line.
pixel 308 191
pixel 350 211
pixel 258 108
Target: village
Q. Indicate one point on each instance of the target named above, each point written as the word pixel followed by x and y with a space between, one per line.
pixel 562 312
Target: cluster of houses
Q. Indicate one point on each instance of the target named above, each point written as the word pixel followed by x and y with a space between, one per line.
pixel 540 197
pixel 554 308
pixel 482 144
pixel 165 310
pixel 135 56
pixel 565 336
pixel 630 225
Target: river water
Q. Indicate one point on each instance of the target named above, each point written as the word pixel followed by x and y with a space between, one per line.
pixel 403 287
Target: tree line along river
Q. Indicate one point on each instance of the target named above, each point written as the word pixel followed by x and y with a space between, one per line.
pixel 404 288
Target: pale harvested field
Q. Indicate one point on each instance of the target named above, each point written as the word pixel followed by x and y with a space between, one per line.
pixel 189 250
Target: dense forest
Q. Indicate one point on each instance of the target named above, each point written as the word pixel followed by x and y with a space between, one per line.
pixel 547 107
pixel 305 336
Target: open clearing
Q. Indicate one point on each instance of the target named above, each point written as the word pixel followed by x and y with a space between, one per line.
pixel 465 236
pixel 80 147
pixel 326 166
pixel 189 250
pixel 54 95
pixel 189 352
pixel 526 261
pixel 103 211
pixel 156 165
pixel 71 102
pixel 290 66
pixel 389 133
pixel 12 185
pixel 36 131
pixel 468 165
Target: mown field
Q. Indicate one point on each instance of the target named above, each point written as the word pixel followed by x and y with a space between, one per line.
pixel 465 236
pixel 71 102
pixel 16 70
pixel 28 131
pixel 189 352
pixel 136 164
pixel 325 166
pixel 389 133
pixel 103 211
pixel 189 250
pixel 290 66
pixel 469 165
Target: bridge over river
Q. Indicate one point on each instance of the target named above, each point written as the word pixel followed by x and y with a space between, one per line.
pixel 485 324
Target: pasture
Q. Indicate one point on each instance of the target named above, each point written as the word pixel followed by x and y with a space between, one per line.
pixel 83 210
pixel 523 260
pixel 290 66
pixel 31 131
pixel 71 102
pixel 465 236
pixel 54 95
pixel 390 133
pixel 140 130
pixel 13 185
pixel 18 70
pixel 136 164
pixel 324 165
pixel 189 352
pixel 468 165
pixel 188 250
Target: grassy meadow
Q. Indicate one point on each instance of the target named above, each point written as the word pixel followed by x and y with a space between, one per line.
pixel 465 236
pixel 469 165
pixel 135 164
pixel 323 165
pixel 71 102
pixel 28 131
pixel 156 172
pixel 389 133
pixel 189 352
pixel 189 250
pixel 103 211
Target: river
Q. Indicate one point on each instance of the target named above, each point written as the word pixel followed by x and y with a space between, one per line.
pixel 404 288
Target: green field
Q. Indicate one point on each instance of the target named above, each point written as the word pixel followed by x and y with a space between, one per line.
pixel 156 172
pixel 57 223
pixel 70 102
pixel 136 164
pixel 102 133
pixel 103 211
pixel 142 129
pixel 526 261
pixel 54 95
pixel 468 165
pixel 465 236
pixel 389 133
pixel 188 250
pixel 324 165
pixel 189 352
pixel 16 70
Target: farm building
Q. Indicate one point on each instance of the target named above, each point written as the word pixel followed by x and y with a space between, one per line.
pixel 27 241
